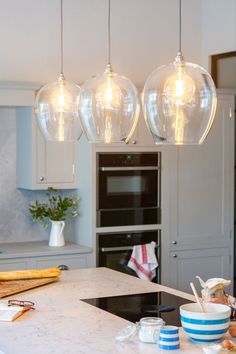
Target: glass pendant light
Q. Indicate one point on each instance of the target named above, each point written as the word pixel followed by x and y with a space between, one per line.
pixel 56 106
pixel 109 105
pixel 179 101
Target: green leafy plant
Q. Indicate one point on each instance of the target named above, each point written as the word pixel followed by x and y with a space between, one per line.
pixel 56 208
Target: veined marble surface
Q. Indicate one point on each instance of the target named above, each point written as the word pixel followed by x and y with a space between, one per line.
pixel 63 324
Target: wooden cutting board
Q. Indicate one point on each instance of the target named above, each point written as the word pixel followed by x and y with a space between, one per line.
pixel 9 287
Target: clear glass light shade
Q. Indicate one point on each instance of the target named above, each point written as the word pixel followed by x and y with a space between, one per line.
pixel 109 108
pixel 56 108
pixel 179 103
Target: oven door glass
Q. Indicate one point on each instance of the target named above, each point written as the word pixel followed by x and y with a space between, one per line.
pixel 122 217
pixel 128 189
pixel 116 260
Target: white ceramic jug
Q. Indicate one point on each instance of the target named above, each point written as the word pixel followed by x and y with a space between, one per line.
pixel 56 238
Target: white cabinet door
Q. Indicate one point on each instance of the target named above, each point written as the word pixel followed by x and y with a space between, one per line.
pixel 206 263
pixel 40 163
pixel 201 190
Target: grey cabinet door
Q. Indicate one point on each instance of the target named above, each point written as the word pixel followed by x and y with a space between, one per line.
pixel 206 263
pixel 202 186
pixel 40 163
pixel 55 161
pixel 143 136
pixel 14 264
pixel 72 261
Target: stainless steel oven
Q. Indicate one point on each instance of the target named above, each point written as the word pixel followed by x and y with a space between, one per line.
pixel 128 189
pixel 114 249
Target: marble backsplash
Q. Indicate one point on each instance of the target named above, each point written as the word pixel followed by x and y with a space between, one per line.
pixel 16 224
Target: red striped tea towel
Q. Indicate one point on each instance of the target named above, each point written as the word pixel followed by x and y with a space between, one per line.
pixel 143 261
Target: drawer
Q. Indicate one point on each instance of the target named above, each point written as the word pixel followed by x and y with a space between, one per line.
pixel 13 264
pixel 72 262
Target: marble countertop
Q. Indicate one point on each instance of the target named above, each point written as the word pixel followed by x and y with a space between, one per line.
pixel 62 323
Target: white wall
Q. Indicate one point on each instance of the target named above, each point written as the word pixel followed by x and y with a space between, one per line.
pixel 144 35
pixel 218 28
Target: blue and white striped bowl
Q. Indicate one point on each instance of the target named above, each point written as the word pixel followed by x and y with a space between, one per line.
pixel 206 326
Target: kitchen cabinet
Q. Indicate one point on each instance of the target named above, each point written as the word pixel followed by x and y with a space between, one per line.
pixel 72 262
pixel 38 255
pixel 140 138
pixel 206 263
pixel 13 264
pixel 197 192
pixel 201 203
pixel 203 193
pixel 40 163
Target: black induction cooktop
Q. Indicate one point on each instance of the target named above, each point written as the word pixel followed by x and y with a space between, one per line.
pixel 133 307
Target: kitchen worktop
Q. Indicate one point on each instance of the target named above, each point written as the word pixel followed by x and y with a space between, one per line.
pixel 39 248
pixel 62 323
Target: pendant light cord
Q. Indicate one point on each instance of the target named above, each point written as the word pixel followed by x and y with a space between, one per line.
pixel 180 26
pixel 62 38
pixel 109 32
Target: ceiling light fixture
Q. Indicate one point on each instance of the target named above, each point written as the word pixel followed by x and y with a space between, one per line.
pixel 56 106
pixel 109 104
pixel 179 101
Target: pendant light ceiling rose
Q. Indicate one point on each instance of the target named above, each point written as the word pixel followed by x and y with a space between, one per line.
pixel 108 69
pixel 179 57
pixel 61 77
pixel 179 101
pixel 56 106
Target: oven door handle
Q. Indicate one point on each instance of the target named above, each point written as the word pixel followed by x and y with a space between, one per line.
pixel 130 168
pixel 113 249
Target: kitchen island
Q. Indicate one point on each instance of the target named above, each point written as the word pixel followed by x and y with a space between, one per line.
pixel 62 323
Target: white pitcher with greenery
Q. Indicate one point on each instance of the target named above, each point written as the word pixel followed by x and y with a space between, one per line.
pixel 56 238
pixel 55 210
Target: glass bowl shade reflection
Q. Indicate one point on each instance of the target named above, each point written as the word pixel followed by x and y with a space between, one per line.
pixel 109 108
pixel 179 103
pixel 57 111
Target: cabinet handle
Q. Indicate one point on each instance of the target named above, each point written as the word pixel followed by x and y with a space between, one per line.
pixel 134 142
pixel 41 178
pixel 174 242
pixel 63 267
pixel 174 256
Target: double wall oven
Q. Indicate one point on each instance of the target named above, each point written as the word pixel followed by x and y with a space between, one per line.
pixel 128 195
pixel 128 190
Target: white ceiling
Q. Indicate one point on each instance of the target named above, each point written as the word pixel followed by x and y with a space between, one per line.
pixel 144 35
